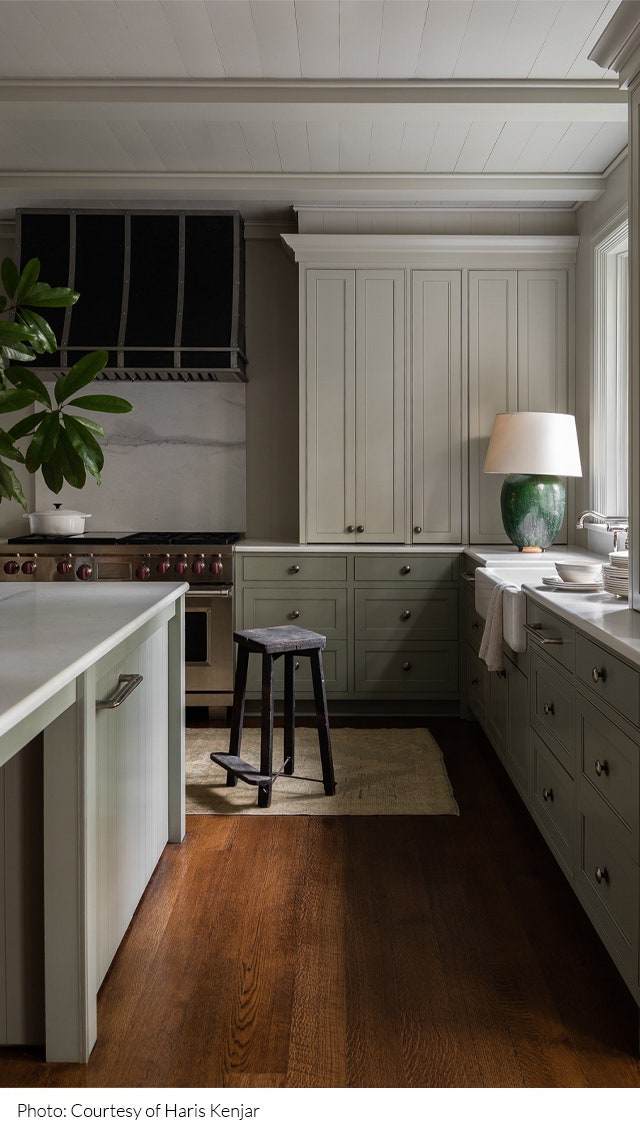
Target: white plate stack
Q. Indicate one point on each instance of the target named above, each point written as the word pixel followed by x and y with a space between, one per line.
pixel 615 575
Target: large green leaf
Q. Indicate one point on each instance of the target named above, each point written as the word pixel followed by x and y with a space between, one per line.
pixel 53 476
pixel 113 404
pixel 10 276
pixel 18 493
pixel 43 443
pixel 14 333
pixel 7 449
pixel 12 400
pixel 6 482
pixel 85 446
pixel 42 295
pixel 41 328
pixel 69 462
pixel 80 375
pixel 28 278
pixel 26 380
pixel 27 425
pixel 21 353
pixel 92 426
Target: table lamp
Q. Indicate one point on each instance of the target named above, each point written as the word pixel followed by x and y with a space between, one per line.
pixel 535 449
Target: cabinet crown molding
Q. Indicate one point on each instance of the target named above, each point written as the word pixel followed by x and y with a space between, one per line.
pixel 428 249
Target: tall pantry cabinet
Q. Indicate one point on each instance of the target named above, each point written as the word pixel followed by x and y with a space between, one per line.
pixel 409 346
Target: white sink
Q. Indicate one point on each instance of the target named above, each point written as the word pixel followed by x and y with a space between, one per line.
pixel 513 599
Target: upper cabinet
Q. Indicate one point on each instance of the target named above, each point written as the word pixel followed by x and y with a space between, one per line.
pixel 409 347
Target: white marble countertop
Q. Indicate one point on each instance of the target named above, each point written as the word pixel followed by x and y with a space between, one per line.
pixel 291 547
pixel 51 634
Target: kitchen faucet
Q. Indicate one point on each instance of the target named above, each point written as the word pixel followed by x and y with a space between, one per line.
pixel 614 525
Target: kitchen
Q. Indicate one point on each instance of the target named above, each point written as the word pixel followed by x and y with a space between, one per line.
pixel 222 437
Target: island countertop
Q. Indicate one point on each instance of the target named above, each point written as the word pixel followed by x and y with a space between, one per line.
pixel 50 634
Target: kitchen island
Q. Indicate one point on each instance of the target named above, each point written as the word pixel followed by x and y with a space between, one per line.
pixel 91 789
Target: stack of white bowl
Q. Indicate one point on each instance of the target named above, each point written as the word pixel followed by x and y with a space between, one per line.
pixel 615 575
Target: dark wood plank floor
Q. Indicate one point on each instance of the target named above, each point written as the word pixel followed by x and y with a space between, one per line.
pixel 361 952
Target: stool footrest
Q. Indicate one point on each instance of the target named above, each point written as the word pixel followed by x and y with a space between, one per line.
pixel 241 768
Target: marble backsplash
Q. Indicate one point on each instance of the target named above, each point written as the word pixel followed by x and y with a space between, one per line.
pixel 176 462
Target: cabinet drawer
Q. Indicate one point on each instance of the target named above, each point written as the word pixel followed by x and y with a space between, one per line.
pixel 553 802
pixel 474 624
pixel 334 666
pixel 610 679
pixel 321 610
pixel 294 567
pixel 406 567
pixel 608 878
pixel 610 762
pixel 553 636
pixel 477 685
pixel 406 614
pixel 423 668
pixel 552 709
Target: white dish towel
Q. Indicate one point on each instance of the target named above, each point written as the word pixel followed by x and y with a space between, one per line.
pixel 491 645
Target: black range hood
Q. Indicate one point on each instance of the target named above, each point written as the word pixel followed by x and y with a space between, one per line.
pixel 161 291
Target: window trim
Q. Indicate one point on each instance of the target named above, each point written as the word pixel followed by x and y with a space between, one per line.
pixel 609 486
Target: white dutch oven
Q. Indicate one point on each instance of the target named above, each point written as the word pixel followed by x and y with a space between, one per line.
pixel 57 520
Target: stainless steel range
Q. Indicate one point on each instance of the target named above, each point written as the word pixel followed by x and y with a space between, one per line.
pixel 205 561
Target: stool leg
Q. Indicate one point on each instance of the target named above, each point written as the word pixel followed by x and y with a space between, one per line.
pixel 289 711
pixel 237 715
pixel 266 729
pixel 322 720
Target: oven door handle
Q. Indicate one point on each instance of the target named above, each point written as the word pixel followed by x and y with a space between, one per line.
pixel 197 592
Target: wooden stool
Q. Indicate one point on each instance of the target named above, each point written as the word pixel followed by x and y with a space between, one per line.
pixel 288 641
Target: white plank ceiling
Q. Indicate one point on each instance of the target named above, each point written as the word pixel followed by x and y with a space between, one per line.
pixel 314 101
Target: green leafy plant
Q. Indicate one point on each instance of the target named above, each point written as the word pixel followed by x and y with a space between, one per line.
pixel 54 439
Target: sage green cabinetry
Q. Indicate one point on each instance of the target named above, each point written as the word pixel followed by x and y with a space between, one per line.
pixel 391 619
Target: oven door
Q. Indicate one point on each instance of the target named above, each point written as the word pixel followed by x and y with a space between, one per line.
pixel 209 640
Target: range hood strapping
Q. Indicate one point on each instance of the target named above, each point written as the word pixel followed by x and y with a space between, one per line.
pixel 161 291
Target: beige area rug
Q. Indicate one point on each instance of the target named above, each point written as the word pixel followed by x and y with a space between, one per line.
pixel 378 771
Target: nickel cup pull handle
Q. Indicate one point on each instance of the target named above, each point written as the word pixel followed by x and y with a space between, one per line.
pixel 126 685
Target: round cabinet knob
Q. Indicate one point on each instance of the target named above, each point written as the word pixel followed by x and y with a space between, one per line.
pixel 350 529
pixel 405 615
pixel 475 624
pixel 474 682
pixel 406 667
pixel 501 674
pixel 164 566
pixel 143 572
pixel 216 566
pixel 293 615
pixel 84 572
pixel 405 569
pixel 29 567
pixel 547 794
pixel 181 567
pixel 11 567
pixel 601 767
pixel 602 874
pixel 359 529
pixel 64 568
pixel 294 569
pixel 548 708
pixel 598 674
pixel 417 529
pixel 199 565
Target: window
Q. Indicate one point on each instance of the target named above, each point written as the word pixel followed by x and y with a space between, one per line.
pixel 610 419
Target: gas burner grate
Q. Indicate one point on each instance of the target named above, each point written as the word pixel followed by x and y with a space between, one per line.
pixel 204 538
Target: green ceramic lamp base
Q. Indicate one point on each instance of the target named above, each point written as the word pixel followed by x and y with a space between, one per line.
pixel 533 507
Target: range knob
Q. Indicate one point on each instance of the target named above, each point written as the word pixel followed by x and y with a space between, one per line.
pixel 64 567
pixel 181 566
pixel 29 567
pixel 84 572
pixel 11 567
pixel 198 565
pixel 216 566
pixel 143 572
pixel 164 566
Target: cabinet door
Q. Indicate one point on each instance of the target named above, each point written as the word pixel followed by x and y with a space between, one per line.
pixel 380 405
pixel 329 491
pixel 437 406
pixel 493 387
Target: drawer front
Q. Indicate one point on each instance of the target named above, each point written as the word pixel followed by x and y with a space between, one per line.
pixel 406 567
pixel 553 636
pixel 553 802
pixel 608 879
pixel 518 740
pixel 424 668
pixel 334 666
pixel 610 679
pixel 321 610
pixel 552 709
pixel 293 567
pixel 474 624
pixel 477 685
pixel 610 762
pixel 411 614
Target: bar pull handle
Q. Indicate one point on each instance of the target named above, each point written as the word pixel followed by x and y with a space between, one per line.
pixel 126 685
pixel 535 630
pixel 468 576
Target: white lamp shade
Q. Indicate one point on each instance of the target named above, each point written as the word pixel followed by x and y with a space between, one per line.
pixel 533 442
